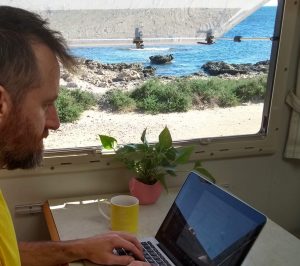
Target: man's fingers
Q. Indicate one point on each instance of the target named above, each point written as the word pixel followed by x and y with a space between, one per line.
pixel 131 250
pixel 139 263
pixel 121 260
pixel 132 239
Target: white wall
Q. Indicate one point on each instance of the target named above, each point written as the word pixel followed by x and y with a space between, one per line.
pixel 124 4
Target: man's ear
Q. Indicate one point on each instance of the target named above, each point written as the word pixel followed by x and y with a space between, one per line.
pixel 5 103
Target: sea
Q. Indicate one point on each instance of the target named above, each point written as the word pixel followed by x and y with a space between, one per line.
pixel 188 59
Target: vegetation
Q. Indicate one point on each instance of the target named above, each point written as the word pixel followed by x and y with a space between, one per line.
pixel 152 162
pixel 156 96
pixel 71 103
pixel 117 100
pixel 180 95
pixel 253 90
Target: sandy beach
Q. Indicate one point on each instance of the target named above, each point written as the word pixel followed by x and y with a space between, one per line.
pixel 128 127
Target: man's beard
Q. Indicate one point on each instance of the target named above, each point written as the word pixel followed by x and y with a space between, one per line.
pixel 20 147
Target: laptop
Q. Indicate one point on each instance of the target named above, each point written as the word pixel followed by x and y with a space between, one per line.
pixel 205 226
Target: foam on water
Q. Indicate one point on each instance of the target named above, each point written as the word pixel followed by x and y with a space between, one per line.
pixel 151 49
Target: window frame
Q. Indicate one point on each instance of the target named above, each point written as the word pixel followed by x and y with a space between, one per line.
pixel 282 68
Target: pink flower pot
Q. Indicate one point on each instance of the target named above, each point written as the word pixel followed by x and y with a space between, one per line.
pixel 147 194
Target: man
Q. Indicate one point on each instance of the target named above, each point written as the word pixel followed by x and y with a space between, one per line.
pixel 29 84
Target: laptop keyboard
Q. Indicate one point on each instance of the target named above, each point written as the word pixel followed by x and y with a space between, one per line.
pixel 151 254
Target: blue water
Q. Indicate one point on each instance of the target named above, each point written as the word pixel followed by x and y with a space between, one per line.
pixel 190 58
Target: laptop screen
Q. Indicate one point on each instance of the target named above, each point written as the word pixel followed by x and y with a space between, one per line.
pixel 208 226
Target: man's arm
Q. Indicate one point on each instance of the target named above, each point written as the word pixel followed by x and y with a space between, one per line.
pixel 98 249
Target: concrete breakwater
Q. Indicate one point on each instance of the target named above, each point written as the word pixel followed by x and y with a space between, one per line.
pixel 178 24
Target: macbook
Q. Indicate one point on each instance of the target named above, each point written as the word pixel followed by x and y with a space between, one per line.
pixel 205 226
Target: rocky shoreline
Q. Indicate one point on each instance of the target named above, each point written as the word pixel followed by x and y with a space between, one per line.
pixel 99 77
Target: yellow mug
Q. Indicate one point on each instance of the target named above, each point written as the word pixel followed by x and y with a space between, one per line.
pixel 124 213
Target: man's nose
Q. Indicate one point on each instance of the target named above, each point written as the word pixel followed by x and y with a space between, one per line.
pixel 52 119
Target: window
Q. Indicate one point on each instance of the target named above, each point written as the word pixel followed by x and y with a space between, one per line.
pixel 203 68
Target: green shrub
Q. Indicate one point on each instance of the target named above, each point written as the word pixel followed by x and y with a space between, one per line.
pixel 231 92
pixel 179 95
pixel 214 91
pixel 71 103
pixel 204 90
pixel 251 89
pixel 117 100
pixel 226 98
pixel 158 97
pixel 68 110
pixel 84 98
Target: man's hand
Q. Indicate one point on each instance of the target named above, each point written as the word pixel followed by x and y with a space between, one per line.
pixel 98 249
pixel 139 263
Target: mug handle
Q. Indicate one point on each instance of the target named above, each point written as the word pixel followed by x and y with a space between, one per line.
pixel 100 202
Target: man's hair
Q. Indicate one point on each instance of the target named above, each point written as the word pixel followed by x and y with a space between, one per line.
pixel 19 29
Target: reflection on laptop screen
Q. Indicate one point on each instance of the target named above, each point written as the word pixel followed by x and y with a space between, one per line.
pixel 208 226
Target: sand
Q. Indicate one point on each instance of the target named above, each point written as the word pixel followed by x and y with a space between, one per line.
pixel 128 127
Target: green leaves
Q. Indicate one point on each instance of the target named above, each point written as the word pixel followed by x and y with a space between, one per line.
pixel 152 162
pixel 143 137
pixel 199 168
pixel 184 154
pixel 165 139
pixel 108 143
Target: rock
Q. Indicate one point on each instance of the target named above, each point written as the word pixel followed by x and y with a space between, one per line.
pixel 99 83
pixel 99 72
pixel 200 74
pixel 218 68
pixel 222 68
pixel 104 75
pixel 71 85
pixel 161 59
pixel 262 66
pixel 149 71
pixel 65 76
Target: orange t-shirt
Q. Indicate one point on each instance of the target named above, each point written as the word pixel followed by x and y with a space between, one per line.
pixel 9 252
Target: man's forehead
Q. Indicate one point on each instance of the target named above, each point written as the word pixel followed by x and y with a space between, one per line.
pixel 44 54
pixel 48 70
pixel 46 59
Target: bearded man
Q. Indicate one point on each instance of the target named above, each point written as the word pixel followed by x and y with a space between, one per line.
pixel 30 58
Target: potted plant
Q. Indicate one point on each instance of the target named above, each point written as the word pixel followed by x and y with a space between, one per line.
pixel 151 163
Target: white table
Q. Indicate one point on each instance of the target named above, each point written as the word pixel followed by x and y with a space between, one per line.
pixel 73 218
